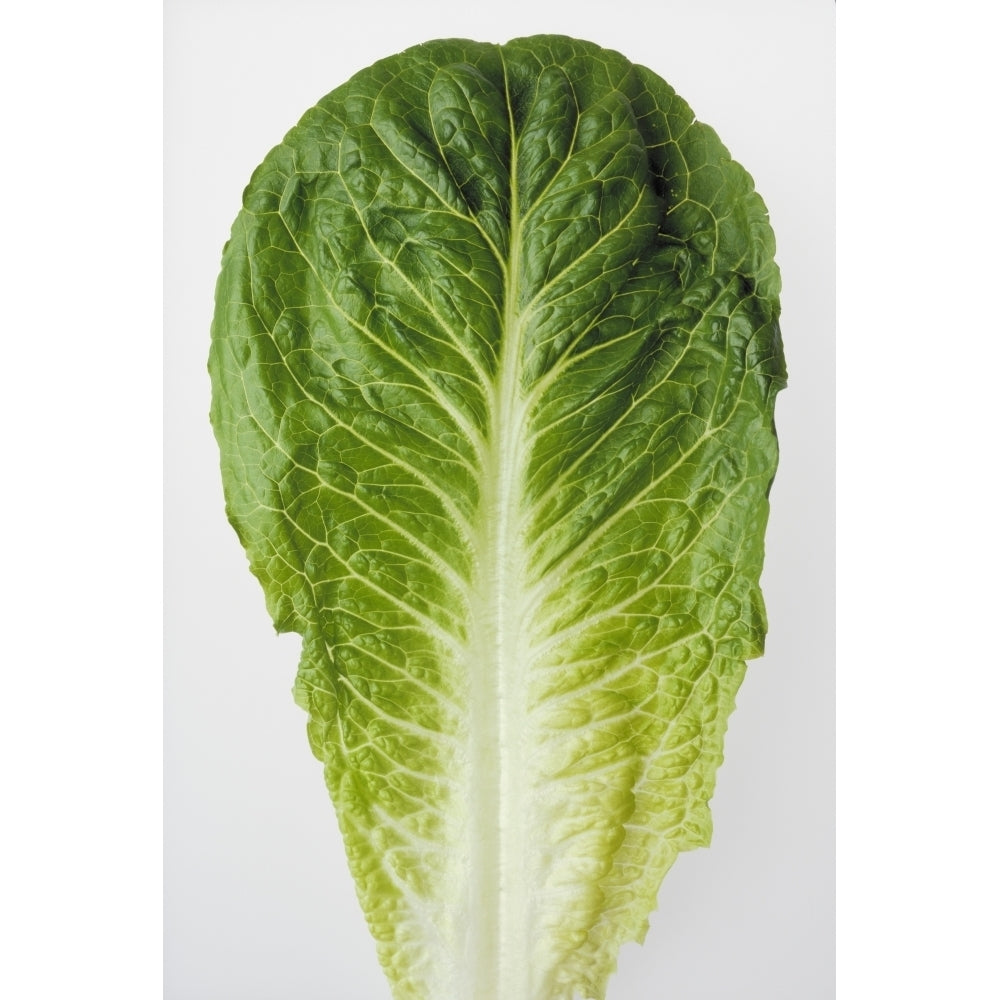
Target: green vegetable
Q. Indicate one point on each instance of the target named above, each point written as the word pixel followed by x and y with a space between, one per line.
pixel 494 361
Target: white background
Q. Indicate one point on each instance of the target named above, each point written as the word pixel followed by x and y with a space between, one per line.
pixel 258 901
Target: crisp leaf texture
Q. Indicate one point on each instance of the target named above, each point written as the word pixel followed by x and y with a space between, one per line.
pixel 494 362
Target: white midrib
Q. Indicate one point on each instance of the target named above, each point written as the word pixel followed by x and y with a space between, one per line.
pixel 499 964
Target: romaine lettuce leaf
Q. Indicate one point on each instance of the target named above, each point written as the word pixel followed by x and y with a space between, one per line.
pixel 494 362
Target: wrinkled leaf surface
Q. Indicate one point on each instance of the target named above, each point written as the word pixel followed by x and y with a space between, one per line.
pixel 494 363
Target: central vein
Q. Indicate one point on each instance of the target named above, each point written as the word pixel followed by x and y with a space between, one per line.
pixel 500 945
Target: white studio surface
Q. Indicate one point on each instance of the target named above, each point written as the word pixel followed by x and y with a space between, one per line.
pixel 258 901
